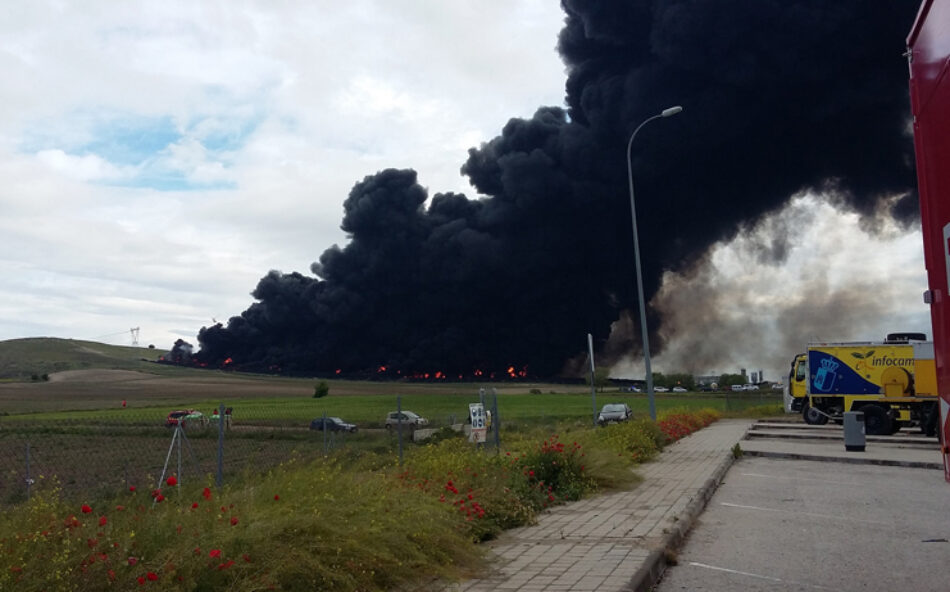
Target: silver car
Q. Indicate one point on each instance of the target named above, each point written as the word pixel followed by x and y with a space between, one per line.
pixel 614 413
pixel 408 420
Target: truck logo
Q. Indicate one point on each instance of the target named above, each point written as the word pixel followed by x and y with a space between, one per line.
pixel 825 377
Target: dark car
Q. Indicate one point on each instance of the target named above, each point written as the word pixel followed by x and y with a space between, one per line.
pixel 332 424
pixel 614 413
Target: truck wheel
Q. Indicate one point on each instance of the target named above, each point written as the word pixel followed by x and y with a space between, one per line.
pixel 812 416
pixel 876 420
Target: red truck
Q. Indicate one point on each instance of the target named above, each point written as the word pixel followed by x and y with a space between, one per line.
pixel 928 54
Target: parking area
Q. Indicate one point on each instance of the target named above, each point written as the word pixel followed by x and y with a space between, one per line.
pixel 778 524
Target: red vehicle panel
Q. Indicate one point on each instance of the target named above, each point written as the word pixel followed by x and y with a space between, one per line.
pixel 929 57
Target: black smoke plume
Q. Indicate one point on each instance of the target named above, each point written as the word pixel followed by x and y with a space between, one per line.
pixel 780 97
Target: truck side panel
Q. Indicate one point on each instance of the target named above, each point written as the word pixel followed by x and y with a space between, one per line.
pixel 860 369
pixel 929 59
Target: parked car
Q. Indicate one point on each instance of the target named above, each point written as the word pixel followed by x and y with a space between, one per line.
pixel 614 413
pixel 660 389
pixel 408 418
pixel 635 389
pixel 184 417
pixel 679 389
pixel 332 424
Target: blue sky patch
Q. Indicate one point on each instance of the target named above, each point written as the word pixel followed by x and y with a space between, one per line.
pixel 131 142
pixel 141 145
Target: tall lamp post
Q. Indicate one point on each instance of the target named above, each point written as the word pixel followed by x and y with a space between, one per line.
pixel 636 256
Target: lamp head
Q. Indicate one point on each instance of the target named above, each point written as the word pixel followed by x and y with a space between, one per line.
pixel 671 111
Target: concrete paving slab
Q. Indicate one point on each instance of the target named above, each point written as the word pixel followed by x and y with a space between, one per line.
pixel 617 541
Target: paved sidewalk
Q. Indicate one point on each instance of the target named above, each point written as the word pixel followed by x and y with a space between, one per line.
pixel 615 542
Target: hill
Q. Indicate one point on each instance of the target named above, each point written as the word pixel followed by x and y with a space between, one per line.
pixel 23 359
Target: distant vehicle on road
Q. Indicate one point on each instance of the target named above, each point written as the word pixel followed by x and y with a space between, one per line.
pixel 614 413
pixel 408 419
pixel 661 389
pixel 184 417
pixel 679 389
pixel 332 424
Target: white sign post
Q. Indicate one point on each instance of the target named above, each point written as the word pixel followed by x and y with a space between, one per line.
pixel 476 413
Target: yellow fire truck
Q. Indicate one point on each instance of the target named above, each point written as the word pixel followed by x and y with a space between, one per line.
pixel 893 382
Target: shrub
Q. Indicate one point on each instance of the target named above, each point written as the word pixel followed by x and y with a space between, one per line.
pixel 555 471
pixel 321 390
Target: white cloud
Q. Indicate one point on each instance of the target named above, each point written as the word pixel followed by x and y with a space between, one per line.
pixel 159 158
pixel 88 167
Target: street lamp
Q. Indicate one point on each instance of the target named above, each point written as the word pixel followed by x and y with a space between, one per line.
pixel 636 256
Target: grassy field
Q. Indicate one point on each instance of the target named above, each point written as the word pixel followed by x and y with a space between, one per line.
pixel 75 427
pixel 80 472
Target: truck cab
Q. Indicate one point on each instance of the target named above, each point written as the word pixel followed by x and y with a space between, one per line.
pixel 796 387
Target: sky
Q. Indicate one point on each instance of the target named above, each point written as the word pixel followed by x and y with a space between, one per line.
pixel 158 158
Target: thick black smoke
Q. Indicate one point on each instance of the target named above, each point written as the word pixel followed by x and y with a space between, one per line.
pixel 780 96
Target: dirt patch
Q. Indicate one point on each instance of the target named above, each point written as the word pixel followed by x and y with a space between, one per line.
pixel 98 375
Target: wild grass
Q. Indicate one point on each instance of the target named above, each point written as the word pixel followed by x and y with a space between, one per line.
pixel 354 521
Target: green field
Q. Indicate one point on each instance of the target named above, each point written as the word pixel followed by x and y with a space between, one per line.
pixel 72 423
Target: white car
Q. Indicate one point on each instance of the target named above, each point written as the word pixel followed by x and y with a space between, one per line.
pixel 679 389
pixel 407 419
pixel 660 389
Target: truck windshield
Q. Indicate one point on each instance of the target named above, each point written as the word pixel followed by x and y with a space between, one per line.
pixel 800 371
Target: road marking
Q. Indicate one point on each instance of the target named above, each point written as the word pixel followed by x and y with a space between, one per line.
pixel 798 513
pixel 798 478
pixel 760 576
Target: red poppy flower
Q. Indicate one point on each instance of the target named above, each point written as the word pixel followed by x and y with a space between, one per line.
pixel 152 576
pixel 172 481
pixel 103 520
pixel 133 560
pixel 194 505
pixel 246 557
pixel 214 553
pixel 276 497
pixel 226 564
pixel 206 493
pixel 86 509
pixel 234 520
pixel 140 580
pixel 160 498
pixel 131 488
pixel 111 575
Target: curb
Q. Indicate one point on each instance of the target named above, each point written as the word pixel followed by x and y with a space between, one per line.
pixel 913 464
pixel 656 562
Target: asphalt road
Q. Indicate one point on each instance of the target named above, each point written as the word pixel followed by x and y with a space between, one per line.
pixel 777 525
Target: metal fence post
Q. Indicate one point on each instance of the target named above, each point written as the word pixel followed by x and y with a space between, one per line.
pixel 29 478
pixel 219 477
pixel 325 433
pixel 399 424
pixel 496 421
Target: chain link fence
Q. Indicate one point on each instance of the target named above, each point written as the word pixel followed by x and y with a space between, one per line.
pixel 99 453
pixel 92 456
